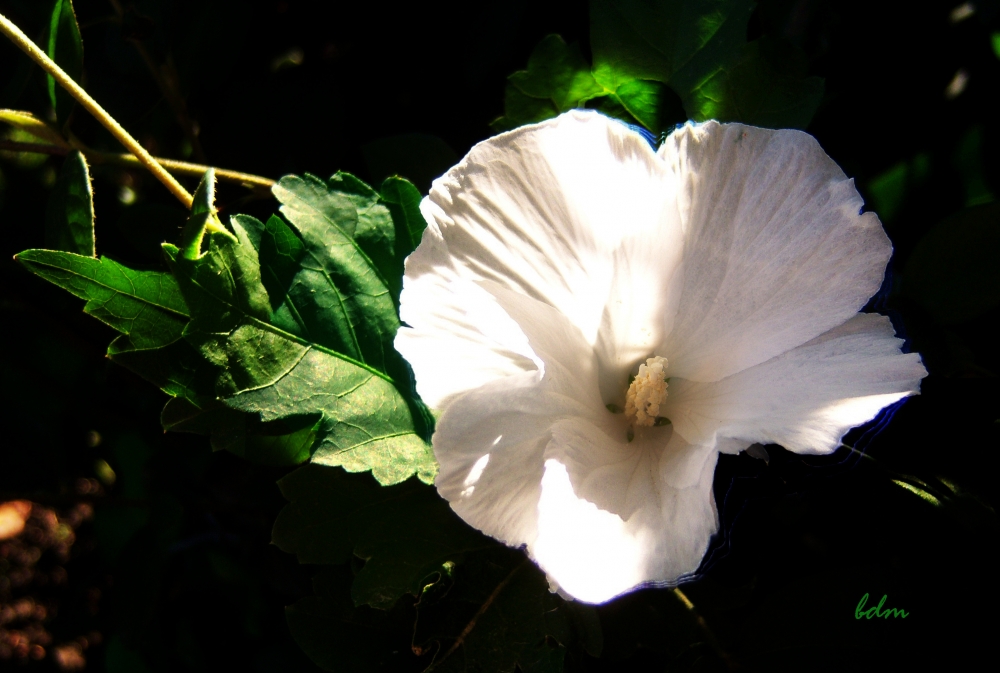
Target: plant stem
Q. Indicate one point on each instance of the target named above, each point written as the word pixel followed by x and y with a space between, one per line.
pixel 178 167
pixel 82 97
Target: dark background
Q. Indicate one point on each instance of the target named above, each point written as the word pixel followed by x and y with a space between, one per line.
pixel 174 571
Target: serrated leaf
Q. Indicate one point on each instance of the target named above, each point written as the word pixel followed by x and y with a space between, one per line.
pixel 677 42
pixel 146 305
pixel 29 123
pixel 402 199
pixel 69 213
pixel 954 270
pixel 364 423
pixel 763 87
pixel 338 298
pixel 557 79
pixel 405 532
pixel 64 46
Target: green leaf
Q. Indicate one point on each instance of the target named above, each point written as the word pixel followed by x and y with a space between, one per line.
pixel 482 606
pixel 340 637
pixel 364 422
pixel 283 442
pixel 64 46
pixel 495 612
pixel 954 270
pixel 405 532
pixel 69 214
pixel 557 79
pixel 421 157
pixel 339 299
pixel 520 109
pixel 402 199
pixel 766 86
pixel 677 42
pixel 146 305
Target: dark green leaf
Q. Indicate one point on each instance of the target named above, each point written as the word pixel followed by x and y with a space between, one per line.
pixel 421 157
pixel 403 201
pixel 520 108
pixel 69 214
pixel 495 612
pixel 64 46
pixel 766 86
pixel 146 305
pixel 677 42
pixel 339 299
pixel 283 442
pixel 343 638
pixel 954 271
pixel 483 605
pixel 405 532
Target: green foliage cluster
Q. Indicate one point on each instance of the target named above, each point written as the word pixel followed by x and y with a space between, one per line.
pixel 659 64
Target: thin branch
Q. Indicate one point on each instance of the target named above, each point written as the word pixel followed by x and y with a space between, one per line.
pixel 475 618
pixel 178 167
pixel 82 97
pixel 716 644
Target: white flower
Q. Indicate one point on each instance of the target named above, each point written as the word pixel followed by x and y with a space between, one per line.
pixel 561 259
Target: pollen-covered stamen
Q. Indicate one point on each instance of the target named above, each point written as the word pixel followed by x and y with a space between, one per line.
pixel 647 392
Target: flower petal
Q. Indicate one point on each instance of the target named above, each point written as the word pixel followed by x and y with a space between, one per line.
pixel 776 252
pixel 576 212
pixel 805 399
pixel 595 555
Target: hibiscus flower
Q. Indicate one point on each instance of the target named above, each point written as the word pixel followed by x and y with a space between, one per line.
pixel 595 321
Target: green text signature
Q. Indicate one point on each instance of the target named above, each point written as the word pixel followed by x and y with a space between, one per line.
pixel 877 611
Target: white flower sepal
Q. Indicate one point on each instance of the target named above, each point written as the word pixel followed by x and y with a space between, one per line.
pixel 596 321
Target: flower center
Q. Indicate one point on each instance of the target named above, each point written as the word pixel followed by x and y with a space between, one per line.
pixel 647 392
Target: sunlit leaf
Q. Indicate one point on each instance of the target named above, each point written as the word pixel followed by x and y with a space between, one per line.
pixel 557 79
pixel 64 45
pixel 69 215
pixel 364 422
pixel 340 298
pixel 146 305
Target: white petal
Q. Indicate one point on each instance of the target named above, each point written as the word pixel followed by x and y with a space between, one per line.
pixel 805 399
pixel 458 338
pixel 594 554
pixel 576 212
pixel 775 250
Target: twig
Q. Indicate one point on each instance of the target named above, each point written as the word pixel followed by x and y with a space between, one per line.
pixel 472 622
pixel 178 167
pixel 731 663
pixel 82 97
